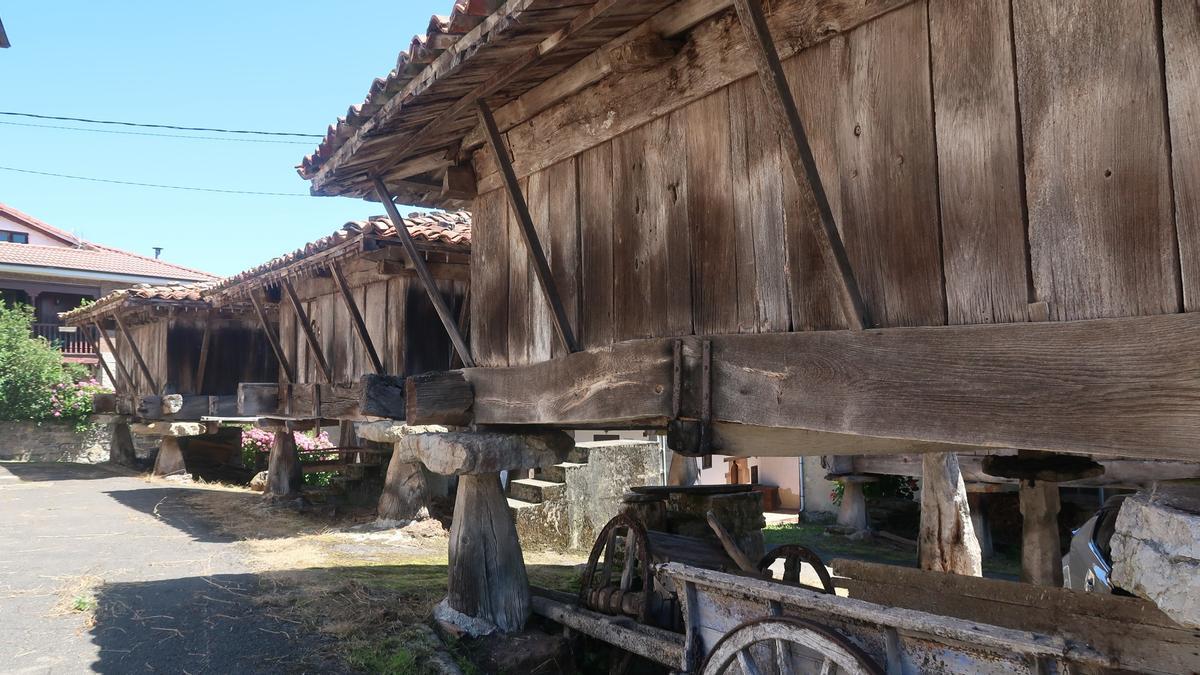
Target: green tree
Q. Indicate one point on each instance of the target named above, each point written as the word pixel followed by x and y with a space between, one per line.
pixel 30 367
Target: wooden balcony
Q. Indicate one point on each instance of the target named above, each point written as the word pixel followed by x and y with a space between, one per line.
pixel 73 344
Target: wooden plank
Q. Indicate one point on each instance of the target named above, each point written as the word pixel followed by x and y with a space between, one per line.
pixel 716 54
pixel 757 156
pixel 596 197
pixel 562 241
pixel 1127 473
pixel 272 338
pixel 398 324
pixel 86 331
pixel 112 349
pixel 1181 41
pixel 709 156
pixel 979 162
pixel 539 265
pixel 303 321
pixel 814 208
pixel 489 279
pixel 356 318
pixel 202 361
pixel 255 399
pixel 375 304
pixel 651 277
pixel 541 333
pixel 812 288
pixel 1133 630
pixel 1122 387
pixel 137 353
pixel 1097 172
pixel 438 399
pixel 520 291
pixel 652 643
pixel 889 167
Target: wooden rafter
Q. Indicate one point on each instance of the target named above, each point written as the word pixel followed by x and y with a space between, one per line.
pixel 289 372
pixel 423 273
pixel 360 326
pixel 314 345
pixel 786 116
pixel 537 255
pixel 137 353
pixel 202 363
pixel 87 336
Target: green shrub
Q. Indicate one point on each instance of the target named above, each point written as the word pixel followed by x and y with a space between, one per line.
pixel 35 382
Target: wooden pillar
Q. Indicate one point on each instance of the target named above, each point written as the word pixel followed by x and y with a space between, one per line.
pixel 405 493
pixel 1041 554
pixel 979 521
pixel 170 458
pixel 121 450
pixel 487 573
pixel 683 470
pixel 947 541
pixel 284 476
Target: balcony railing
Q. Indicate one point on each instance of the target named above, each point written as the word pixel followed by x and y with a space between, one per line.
pixel 71 344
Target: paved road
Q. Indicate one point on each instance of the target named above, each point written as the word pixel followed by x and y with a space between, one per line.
pixel 172 595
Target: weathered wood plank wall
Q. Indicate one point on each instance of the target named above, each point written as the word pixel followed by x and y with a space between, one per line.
pixel 979 156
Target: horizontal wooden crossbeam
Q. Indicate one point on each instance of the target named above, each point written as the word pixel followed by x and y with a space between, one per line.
pixel 1126 387
pixel 372 397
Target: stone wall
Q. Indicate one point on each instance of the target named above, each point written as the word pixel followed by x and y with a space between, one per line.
pixel 54 441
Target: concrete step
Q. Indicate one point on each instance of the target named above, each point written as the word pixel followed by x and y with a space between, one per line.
pixel 558 472
pixel 534 490
pixel 518 505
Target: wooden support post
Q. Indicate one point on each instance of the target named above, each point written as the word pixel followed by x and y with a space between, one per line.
pixel 537 254
pixel 284 475
pixel 117 360
pixel 423 273
pixel 121 451
pixel 87 336
pixel 947 541
pixel 683 470
pixel 289 373
pixel 137 354
pixel 202 363
pixel 487 578
pixel 814 203
pixel 1041 553
pixel 302 320
pixel 979 522
pixel 360 326
pixel 405 492
pixel 170 458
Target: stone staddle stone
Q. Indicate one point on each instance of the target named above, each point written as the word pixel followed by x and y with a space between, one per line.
pixel 1156 550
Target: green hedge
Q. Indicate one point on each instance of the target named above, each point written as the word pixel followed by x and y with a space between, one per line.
pixel 35 382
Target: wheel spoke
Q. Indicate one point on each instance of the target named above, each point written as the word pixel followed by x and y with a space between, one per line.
pixel 749 666
pixel 783 658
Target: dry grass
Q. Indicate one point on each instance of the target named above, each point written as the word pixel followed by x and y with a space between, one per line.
pixel 77 595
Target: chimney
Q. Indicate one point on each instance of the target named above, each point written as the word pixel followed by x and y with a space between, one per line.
pixel 157 252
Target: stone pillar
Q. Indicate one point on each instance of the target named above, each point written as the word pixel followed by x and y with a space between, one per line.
pixel 1041 553
pixel 1156 550
pixel 121 450
pixel 947 540
pixel 487 578
pixel 284 473
pixel 169 461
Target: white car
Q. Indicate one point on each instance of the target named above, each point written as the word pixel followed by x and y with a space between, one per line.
pixel 1088 563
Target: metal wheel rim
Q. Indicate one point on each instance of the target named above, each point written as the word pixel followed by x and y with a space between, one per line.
pixel 790 552
pixel 841 655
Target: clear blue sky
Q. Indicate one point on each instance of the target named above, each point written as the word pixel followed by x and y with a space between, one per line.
pixel 276 66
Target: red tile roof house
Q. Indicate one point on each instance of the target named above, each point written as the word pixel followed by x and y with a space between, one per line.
pixel 55 271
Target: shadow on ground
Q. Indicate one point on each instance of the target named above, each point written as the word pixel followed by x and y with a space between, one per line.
pixel 170 505
pixel 61 471
pixel 329 620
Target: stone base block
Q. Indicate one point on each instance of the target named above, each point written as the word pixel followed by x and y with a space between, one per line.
pixel 1156 550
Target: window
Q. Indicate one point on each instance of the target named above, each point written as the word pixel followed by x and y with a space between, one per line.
pixel 754 475
pixel 14 237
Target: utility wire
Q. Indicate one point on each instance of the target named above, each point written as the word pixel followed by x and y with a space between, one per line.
pixel 152 185
pixel 159 126
pixel 150 133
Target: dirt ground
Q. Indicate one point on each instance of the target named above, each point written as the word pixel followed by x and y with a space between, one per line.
pixel 106 571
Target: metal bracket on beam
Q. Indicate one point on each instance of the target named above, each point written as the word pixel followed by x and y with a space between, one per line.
pixel 423 273
pixel 691 437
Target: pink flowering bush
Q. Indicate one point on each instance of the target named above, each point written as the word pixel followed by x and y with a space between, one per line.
pixel 256 449
pixel 73 400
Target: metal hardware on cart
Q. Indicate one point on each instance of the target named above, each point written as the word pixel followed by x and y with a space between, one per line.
pixel 691 437
pixel 792 555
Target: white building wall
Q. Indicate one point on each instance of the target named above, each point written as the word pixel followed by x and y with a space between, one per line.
pixel 783 472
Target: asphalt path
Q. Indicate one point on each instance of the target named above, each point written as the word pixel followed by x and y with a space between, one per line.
pixel 102 571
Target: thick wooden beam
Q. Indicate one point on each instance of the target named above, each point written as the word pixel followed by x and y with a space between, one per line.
pixel 112 348
pixel 537 255
pixel 382 396
pixel 202 362
pixel 439 400
pixel 257 399
pixel 423 273
pixel 289 373
pixel 137 353
pixel 174 407
pixel 1124 387
pixel 360 326
pixel 302 320
pixel 1125 473
pixel 814 203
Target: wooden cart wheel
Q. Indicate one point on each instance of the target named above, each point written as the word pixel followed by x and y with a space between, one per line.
pixel 793 555
pixel 787 646
pixel 622 548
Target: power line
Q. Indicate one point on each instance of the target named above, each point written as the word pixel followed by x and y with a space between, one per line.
pixel 152 185
pixel 159 126
pixel 150 133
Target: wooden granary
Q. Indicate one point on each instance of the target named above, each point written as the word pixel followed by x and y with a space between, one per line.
pixel 846 227
pixel 176 363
